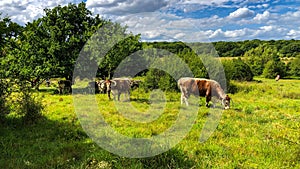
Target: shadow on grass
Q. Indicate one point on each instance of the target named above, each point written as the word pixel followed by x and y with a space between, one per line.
pixel 63 144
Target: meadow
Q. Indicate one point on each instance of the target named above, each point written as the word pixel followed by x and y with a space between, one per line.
pixel 261 130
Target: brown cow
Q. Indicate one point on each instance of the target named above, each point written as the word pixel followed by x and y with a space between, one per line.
pixel 202 87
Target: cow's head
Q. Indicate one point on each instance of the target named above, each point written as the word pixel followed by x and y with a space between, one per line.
pixel 226 102
pixel 107 84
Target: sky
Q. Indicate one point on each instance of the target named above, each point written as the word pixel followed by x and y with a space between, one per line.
pixel 182 20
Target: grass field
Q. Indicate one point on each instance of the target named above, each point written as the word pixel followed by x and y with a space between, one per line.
pixel 261 130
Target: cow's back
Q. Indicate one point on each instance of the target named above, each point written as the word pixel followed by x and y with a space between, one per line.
pixel 195 86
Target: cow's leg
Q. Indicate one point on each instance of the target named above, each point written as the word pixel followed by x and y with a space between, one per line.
pixel 181 98
pixel 108 94
pixel 128 96
pixel 208 98
pixel 119 94
pixel 184 98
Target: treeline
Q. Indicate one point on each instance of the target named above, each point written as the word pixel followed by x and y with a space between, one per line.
pixel 265 58
pixel 284 48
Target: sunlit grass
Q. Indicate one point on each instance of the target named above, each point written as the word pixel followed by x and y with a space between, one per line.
pixel 261 130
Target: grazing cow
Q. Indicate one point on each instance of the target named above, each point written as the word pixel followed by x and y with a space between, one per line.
pixel 117 86
pixel 64 86
pixel 202 87
pixel 277 78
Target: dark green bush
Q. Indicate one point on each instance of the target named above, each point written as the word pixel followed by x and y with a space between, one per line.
pixel 4 93
pixel 294 67
pixel 237 69
pixel 274 68
pixel 158 79
pixel 30 107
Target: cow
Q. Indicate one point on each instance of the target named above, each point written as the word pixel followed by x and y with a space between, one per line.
pixel 102 86
pixel 202 87
pixel 117 86
pixel 277 78
pixel 64 86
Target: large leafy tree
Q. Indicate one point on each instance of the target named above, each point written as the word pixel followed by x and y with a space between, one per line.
pixel 51 44
pixel 237 69
pixel 9 33
pixel 258 57
pixel 295 66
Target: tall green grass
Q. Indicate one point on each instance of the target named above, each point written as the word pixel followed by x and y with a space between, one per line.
pixel 261 130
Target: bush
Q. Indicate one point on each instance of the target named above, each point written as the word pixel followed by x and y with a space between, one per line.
pixel 294 67
pixel 30 107
pixel 274 68
pixel 158 79
pixel 4 93
pixel 237 69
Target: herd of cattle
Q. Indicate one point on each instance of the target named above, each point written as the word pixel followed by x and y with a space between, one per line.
pixel 187 85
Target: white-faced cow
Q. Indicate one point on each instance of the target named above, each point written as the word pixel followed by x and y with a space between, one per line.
pixel 202 87
pixel 64 86
pixel 117 86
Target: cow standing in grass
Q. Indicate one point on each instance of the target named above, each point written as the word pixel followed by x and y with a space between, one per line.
pixel 117 86
pixel 277 78
pixel 202 87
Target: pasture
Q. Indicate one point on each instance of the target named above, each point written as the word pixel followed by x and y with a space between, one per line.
pixel 261 130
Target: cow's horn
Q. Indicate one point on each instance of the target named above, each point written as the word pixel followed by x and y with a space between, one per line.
pixel 114 82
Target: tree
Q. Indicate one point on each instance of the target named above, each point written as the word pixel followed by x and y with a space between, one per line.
pixel 51 44
pixel 9 34
pixel 257 58
pixel 274 68
pixel 294 67
pixel 237 69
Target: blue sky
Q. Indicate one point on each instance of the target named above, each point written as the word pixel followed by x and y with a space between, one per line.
pixel 185 20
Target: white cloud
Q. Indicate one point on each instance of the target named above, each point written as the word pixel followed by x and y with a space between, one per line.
pixel 262 17
pixel 153 19
pixel 293 34
pixel 23 11
pixel 241 13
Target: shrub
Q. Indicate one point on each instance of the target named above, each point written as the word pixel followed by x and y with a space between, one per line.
pixel 274 68
pixel 4 93
pixel 158 79
pixel 294 67
pixel 30 107
pixel 237 69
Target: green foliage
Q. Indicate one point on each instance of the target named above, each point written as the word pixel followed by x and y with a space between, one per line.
pixel 30 107
pixel 291 49
pixel 4 94
pixel 159 79
pixel 237 69
pixel 274 68
pixel 258 57
pixel 51 44
pixel 26 103
pixel 294 67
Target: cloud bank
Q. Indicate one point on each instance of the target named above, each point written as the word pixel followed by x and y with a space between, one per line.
pixel 185 20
